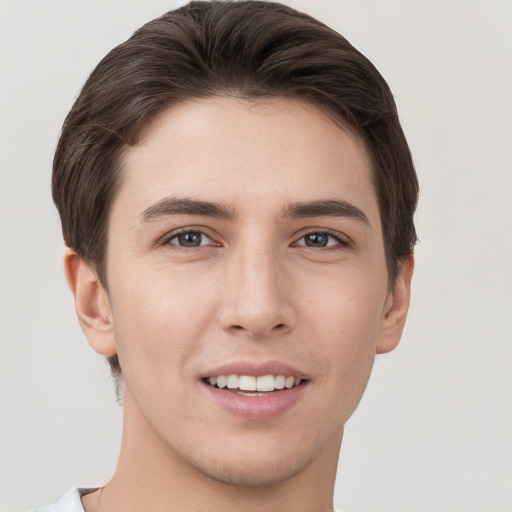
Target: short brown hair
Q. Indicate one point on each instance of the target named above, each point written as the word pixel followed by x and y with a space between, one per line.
pixel 249 49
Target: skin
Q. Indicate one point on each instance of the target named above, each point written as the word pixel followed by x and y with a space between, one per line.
pixel 254 290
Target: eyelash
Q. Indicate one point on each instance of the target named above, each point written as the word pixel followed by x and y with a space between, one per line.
pixel 168 239
pixel 340 242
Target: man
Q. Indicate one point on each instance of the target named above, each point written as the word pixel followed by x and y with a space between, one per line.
pixel 237 198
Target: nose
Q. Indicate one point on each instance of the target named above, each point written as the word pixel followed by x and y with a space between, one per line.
pixel 258 295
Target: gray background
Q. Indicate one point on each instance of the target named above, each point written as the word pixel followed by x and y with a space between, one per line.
pixel 433 432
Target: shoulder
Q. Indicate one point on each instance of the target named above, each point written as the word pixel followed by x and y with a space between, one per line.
pixel 70 502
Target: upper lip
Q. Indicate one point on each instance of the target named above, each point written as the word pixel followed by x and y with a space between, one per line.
pixel 256 369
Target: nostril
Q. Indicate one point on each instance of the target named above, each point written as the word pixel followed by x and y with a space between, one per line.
pixel 277 327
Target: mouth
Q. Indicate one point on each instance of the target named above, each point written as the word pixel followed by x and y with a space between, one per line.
pixel 256 391
pixel 255 386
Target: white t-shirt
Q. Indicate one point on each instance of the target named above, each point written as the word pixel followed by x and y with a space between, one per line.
pixel 71 502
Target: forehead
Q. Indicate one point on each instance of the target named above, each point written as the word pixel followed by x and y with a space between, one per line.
pixel 247 152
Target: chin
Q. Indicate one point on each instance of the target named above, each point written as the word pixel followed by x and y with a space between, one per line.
pixel 265 462
pixel 251 474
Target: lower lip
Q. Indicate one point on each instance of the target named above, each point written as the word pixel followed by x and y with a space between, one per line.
pixel 256 407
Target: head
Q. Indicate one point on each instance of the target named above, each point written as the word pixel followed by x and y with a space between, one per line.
pixel 214 59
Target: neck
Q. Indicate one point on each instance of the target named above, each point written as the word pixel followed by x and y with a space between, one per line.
pixel 151 476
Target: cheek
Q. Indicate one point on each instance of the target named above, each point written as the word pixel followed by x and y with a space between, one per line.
pixel 350 342
pixel 158 323
pixel 346 320
pixel 349 306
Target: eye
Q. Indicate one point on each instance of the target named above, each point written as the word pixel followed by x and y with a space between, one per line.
pixel 189 239
pixel 321 239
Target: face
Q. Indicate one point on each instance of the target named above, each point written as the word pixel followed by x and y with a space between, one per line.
pixel 248 290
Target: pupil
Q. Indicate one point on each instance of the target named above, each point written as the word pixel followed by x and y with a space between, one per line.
pixel 316 240
pixel 190 239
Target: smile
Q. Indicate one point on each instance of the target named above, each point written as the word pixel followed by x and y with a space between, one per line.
pixel 256 392
pixel 250 385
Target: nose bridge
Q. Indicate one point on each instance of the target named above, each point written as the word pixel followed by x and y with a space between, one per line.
pixel 257 298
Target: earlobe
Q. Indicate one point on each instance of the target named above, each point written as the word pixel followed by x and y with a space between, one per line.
pixel 397 305
pixel 92 304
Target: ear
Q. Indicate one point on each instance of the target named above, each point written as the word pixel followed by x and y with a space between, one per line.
pixel 92 304
pixel 397 305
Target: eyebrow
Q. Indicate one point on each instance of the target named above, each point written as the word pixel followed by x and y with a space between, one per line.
pixel 186 206
pixel 305 209
pixel 325 208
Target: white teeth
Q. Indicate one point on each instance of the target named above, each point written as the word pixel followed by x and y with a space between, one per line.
pixel 247 383
pixel 232 381
pixel 266 383
pixel 262 384
pixel 279 381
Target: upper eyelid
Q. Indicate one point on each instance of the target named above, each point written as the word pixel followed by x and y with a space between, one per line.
pixel 178 233
pixel 188 229
pixel 170 235
pixel 343 238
